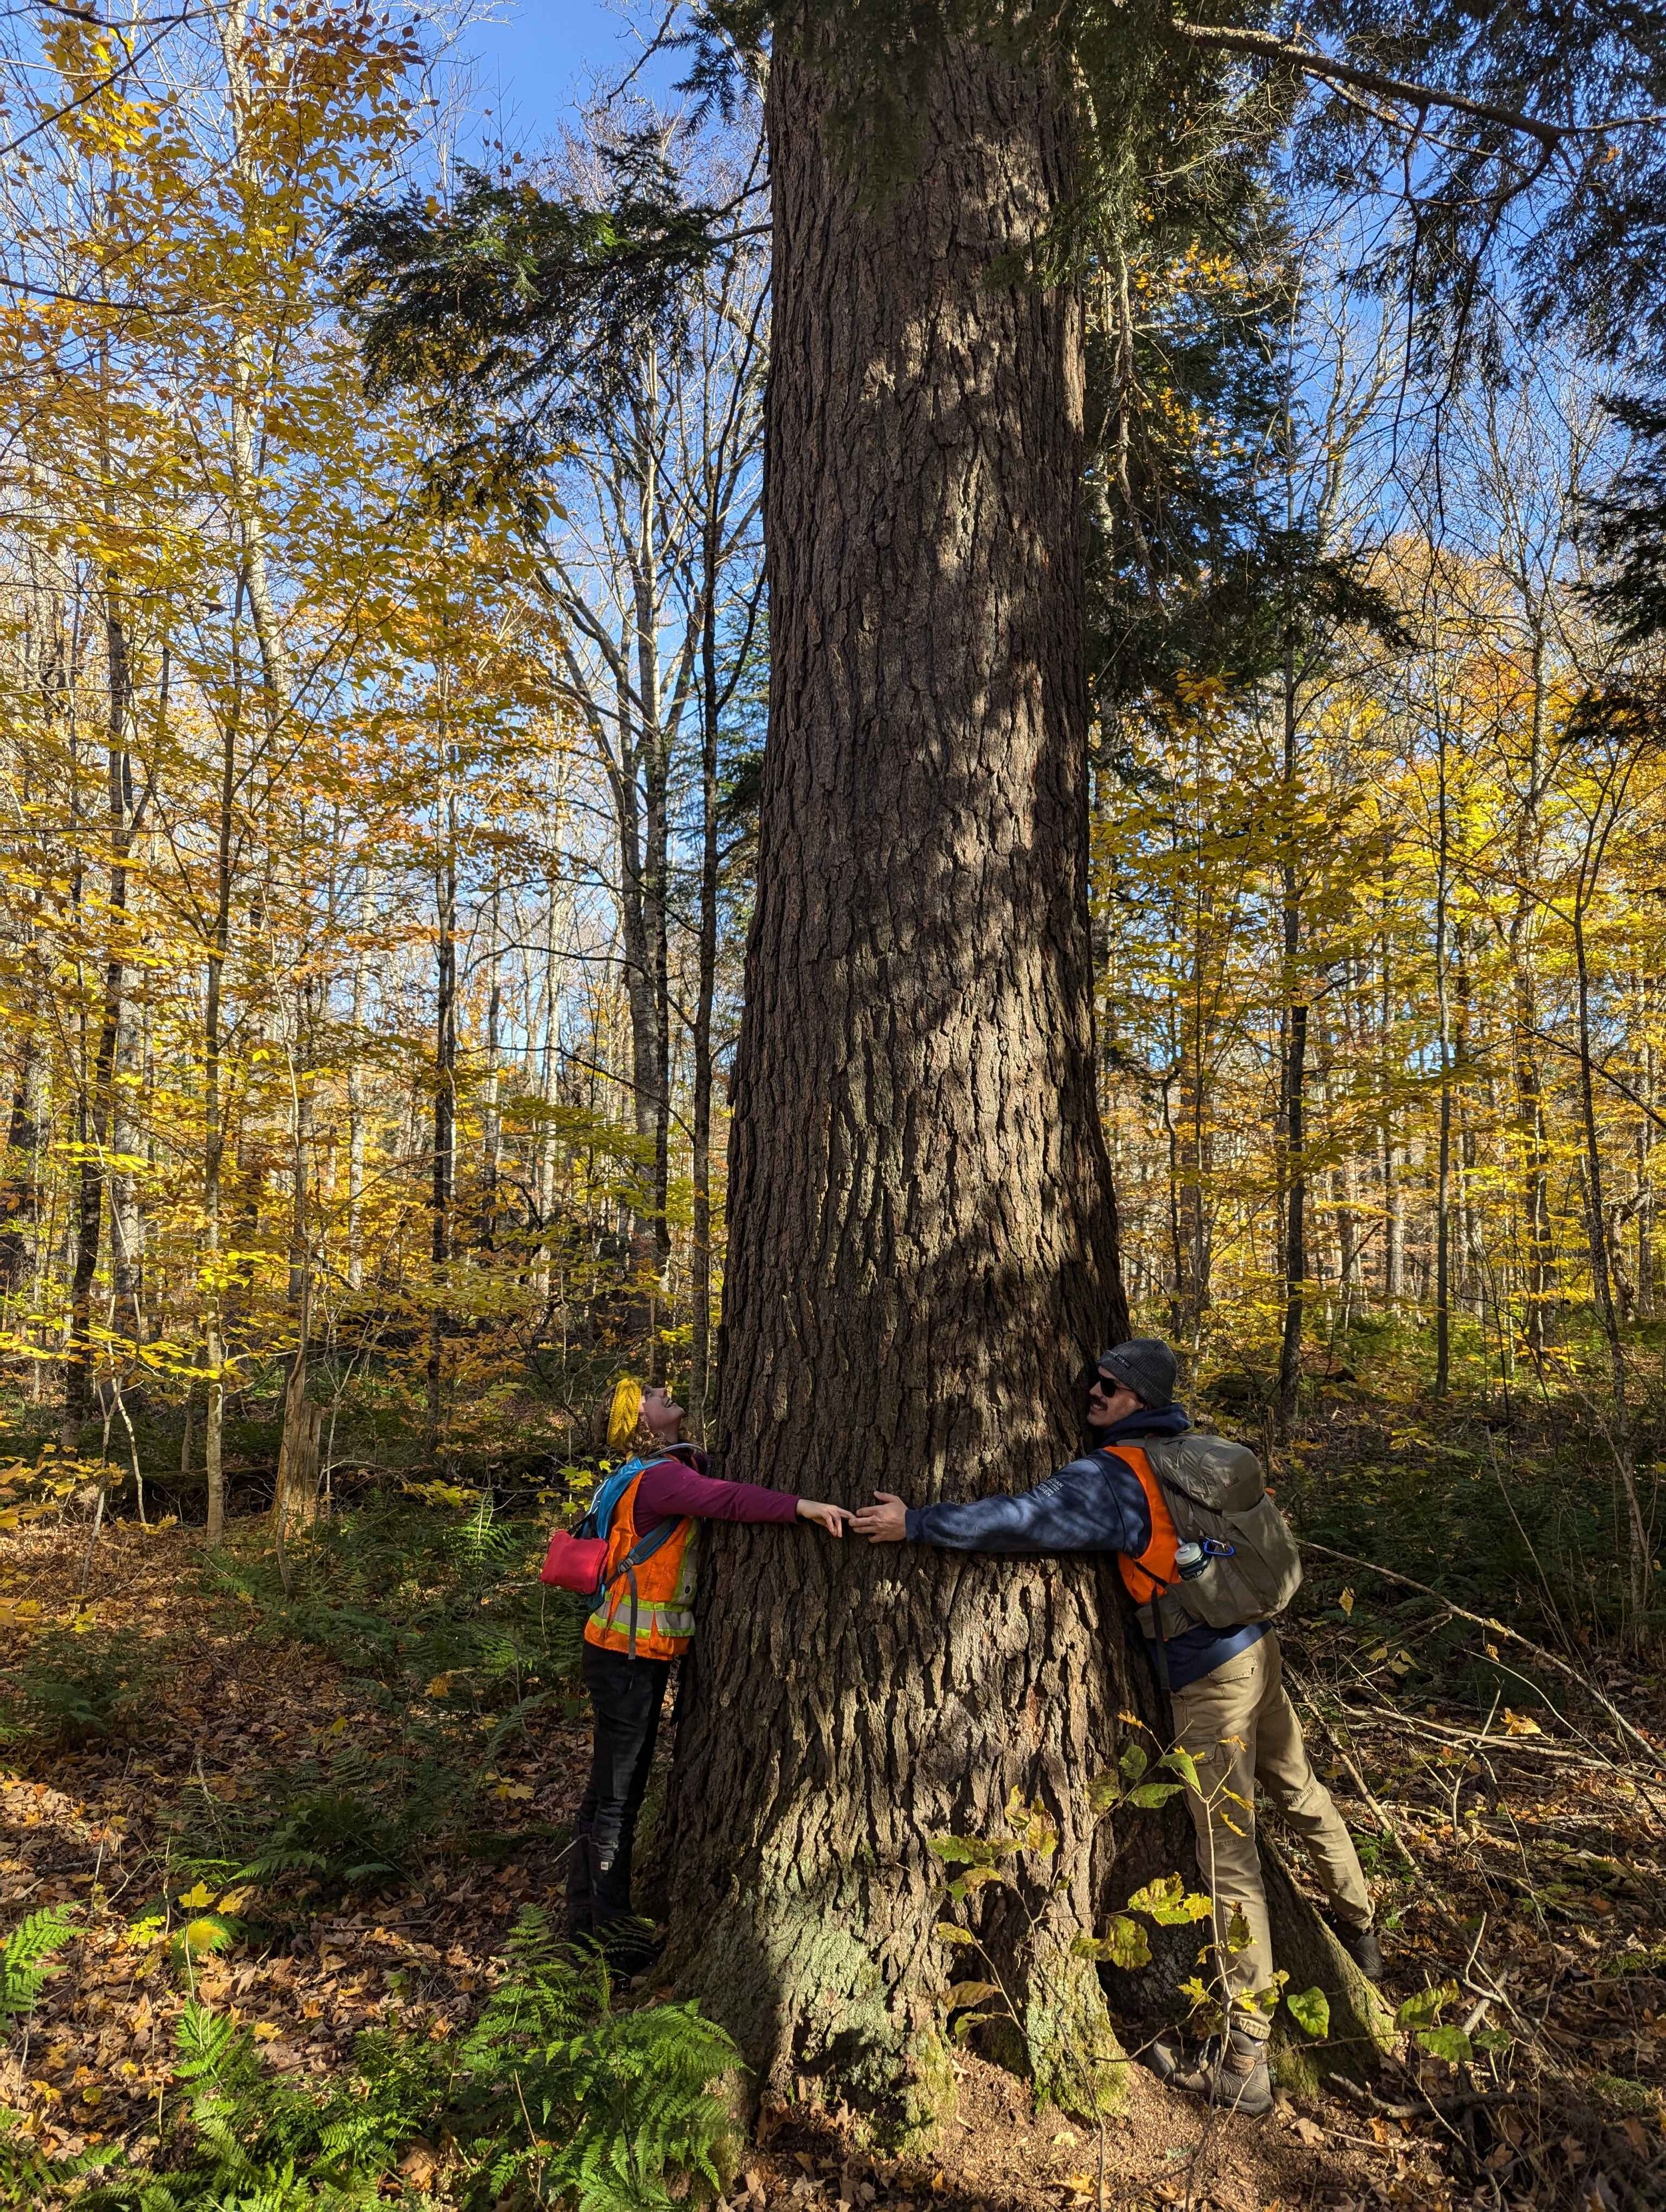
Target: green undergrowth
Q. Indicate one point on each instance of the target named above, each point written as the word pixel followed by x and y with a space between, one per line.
pixel 1508 1497
pixel 29 1959
pixel 416 1602
pixel 431 1608
pixel 71 1689
pixel 1528 1528
pixel 556 2095
pixel 355 1820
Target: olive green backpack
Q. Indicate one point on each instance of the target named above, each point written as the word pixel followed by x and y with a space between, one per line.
pixel 1215 1490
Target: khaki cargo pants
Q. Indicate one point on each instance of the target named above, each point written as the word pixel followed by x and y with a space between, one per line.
pixel 1240 1727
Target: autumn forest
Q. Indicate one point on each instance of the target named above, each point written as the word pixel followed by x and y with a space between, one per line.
pixel 461 942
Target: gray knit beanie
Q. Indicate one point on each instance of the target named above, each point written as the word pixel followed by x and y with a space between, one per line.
pixel 1145 1366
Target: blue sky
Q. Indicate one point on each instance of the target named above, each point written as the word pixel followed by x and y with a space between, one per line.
pixel 538 56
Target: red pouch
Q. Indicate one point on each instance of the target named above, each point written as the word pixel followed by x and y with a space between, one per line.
pixel 574 1563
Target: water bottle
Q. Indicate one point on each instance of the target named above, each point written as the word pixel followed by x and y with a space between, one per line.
pixel 1190 1559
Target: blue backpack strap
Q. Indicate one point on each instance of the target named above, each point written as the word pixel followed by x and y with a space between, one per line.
pixel 604 1498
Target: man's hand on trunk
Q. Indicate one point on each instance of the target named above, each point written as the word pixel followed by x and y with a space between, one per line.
pixel 885 1522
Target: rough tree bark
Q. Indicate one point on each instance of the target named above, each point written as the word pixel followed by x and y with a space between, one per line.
pixel 923 1242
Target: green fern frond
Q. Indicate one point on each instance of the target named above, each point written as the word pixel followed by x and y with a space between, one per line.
pixel 203 2039
pixel 29 2177
pixel 25 1957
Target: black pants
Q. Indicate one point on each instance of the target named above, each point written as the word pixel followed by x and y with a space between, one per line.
pixel 626 1694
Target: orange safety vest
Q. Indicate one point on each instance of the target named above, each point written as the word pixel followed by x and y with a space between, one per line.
pixel 646 1612
pixel 1148 1575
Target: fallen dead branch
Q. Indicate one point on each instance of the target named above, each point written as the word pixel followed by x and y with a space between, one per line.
pixel 1514 1636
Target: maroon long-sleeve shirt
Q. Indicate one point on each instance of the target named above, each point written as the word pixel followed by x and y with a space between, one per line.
pixel 671 1490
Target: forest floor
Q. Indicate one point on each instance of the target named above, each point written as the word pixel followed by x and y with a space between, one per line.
pixel 1512 1856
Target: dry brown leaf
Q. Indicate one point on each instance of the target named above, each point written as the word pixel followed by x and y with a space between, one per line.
pixel 419 2166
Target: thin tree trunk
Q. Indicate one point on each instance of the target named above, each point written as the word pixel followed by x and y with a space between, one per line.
pixel 20 1194
pixel 97 1110
pixel 445 1110
pixel 1532 1138
pixel 1444 1167
pixel 1639 1544
pixel 1393 1226
pixel 213 1143
pixel 654 1107
pixel 1199 1239
pixel 1596 1219
pixel 700 1380
pixel 1394 1232
pixel 491 1116
pixel 356 1113
pixel 126 1219
pixel 1471 1258
pixel 1647 992
pixel 295 1493
pixel 548 1083
pixel 1293 1114
pixel 255 587
pixel 1177 1302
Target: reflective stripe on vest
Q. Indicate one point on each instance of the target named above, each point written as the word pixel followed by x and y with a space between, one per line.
pixel 1148 1575
pixel 659 1590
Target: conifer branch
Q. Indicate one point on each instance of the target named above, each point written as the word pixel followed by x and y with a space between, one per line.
pixel 1267 45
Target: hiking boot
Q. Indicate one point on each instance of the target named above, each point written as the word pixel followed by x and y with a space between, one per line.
pixel 1165 2057
pixel 1232 2075
pixel 1362 1946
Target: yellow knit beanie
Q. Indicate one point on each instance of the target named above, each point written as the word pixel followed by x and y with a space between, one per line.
pixel 625 1412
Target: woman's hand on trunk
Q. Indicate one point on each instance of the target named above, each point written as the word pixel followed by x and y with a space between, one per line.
pixel 830 1517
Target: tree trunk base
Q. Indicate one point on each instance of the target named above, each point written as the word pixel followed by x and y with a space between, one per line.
pixel 836 2028
pixel 821 2012
pixel 836 2019
pixel 1362 2031
pixel 1071 2053
pixel 831 2019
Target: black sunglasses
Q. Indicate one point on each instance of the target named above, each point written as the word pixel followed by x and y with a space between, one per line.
pixel 1108 1384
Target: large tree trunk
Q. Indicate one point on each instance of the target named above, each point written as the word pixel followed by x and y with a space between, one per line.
pixel 923 1242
